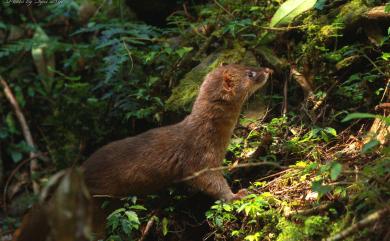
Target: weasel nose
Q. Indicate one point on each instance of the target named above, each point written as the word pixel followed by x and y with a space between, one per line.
pixel 268 70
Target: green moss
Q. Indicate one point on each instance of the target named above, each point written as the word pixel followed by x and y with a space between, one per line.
pixel 316 226
pixel 290 231
pixel 351 12
pixel 185 93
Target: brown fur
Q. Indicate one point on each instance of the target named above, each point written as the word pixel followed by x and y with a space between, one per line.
pixel 152 160
pixel 159 157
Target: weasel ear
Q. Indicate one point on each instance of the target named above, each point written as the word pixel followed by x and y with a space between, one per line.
pixel 223 64
pixel 228 82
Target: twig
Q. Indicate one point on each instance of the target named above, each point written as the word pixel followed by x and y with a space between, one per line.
pixel 262 149
pixel 376 13
pixel 221 168
pixel 370 219
pixel 14 171
pixel 223 8
pixel 373 64
pixel 283 28
pixel 302 81
pixel 204 47
pixel 382 106
pixel 188 15
pixel 273 175
pixel 285 96
pixel 107 196
pixel 148 227
pixel 322 100
pixel 98 9
pixel 308 211
pixel 25 129
pixel 386 90
pixel 129 53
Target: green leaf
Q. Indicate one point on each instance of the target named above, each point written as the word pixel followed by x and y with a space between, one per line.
pixel 3 133
pixel 43 58
pixel 119 210
pixel 387 8
pixel 138 207
pixel 335 170
pixel 324 136
pixel 253 237
pixel 16 156
pixel 317 186
pixel 126 226
pixel 331 131
pixel 114 238
pixel 9 120
pixel 3 26
pixel 165 226
pixel 254 8
pixel 370 145
pixel 132 217
pixel 289 10
pixel 113 222
pixel 227 207
pixel 320 4
pixel 385 56
pixel 183 51
pixel 353 116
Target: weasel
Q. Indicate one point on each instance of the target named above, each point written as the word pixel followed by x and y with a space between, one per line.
pixel 150 161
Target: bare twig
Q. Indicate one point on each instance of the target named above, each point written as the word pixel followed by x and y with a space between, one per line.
pixel 148 227
pixel 129 53
pixel 221 168
pixel 223 8
pixel 188 15
pixel 273 175
pixel 374 64
pixel 302 81
pixel 386 90
pixel 285 96
pixel 283 28
pixel 382 106
pixel 367 221
pixel 376 13
pixel 204 47
pixel 14 171
pixel 309 211
pixel 25 130
pixel 107 196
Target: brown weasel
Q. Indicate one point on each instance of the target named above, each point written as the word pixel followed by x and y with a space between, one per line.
pixel 152 160
pixel 159 157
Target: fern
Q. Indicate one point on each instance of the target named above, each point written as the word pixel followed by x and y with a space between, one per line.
pixel 114 61
pixel 67 9
pixel 16 47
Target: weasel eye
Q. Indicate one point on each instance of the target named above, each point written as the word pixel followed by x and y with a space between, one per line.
pixel 223 64
pixel 251 74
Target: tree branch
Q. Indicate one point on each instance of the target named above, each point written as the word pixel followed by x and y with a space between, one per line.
pixel 25 129
pixel 370 219
pixel 221 168
pixel 376 13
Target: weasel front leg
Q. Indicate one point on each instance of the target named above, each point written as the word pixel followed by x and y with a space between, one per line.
pixel 215 185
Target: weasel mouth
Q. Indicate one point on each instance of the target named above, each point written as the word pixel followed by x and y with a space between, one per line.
pixel 265 74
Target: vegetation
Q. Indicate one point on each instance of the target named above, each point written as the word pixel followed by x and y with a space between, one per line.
pixel 312 148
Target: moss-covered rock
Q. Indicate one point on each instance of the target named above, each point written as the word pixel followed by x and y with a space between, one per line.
pixel 185 93
pixel 351 12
